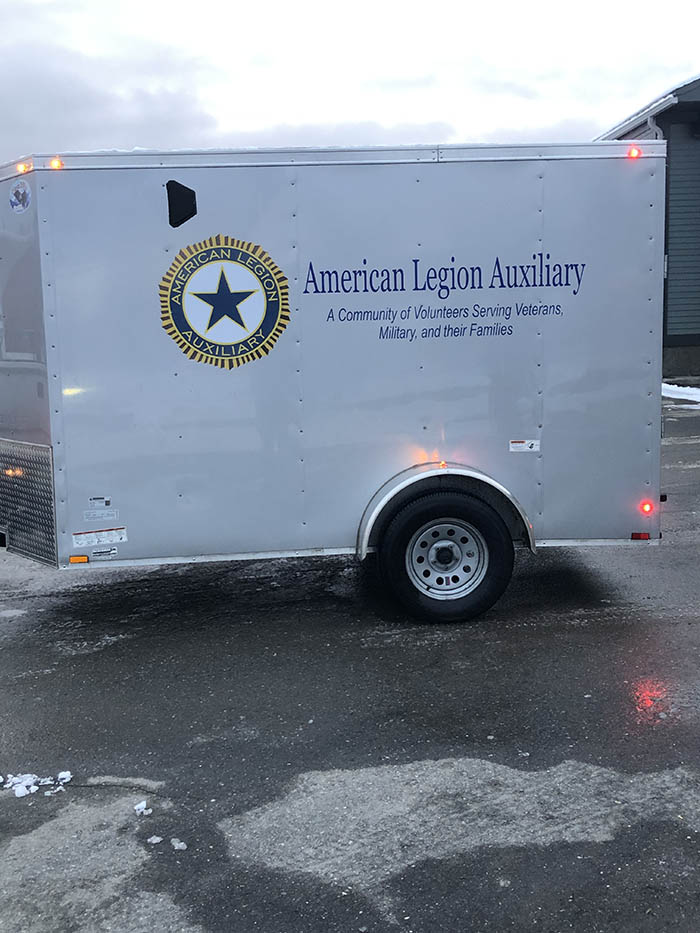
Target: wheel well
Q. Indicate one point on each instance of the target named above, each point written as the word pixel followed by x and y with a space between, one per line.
pixel 454 483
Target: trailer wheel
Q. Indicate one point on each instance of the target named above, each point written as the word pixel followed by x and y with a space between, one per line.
pixel 447 556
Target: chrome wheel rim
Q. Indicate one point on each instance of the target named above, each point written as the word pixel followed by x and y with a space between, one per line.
pixel 447 559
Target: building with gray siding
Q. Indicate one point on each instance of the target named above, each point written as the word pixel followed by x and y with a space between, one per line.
pixel 675 117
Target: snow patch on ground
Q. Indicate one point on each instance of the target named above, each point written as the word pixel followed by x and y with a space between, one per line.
pixel 360 828
pixel 685 392
pixel 12 613
pixel 80 871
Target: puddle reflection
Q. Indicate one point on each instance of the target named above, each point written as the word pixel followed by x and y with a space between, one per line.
pixel 651 700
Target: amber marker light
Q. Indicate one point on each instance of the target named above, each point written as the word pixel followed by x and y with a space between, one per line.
pixel 23 167
pixel 56 163
pixel 634 152
pixel 442 464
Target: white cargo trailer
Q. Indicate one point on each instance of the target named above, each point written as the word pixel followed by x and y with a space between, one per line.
pixel 435 353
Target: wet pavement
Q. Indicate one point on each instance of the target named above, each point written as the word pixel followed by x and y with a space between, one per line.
pixel 333 766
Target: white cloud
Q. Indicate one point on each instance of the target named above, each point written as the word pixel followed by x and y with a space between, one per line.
pixel 71 102
pixel 165 73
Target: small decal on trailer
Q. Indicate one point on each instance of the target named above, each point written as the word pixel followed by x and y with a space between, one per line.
pixel 85 539
pixel 101 515
pixel 224 302
pixel 100 502
pixel 104 553
pixel 20 197
pixel 527 447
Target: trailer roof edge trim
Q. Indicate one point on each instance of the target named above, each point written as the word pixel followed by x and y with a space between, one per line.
pixel 216 158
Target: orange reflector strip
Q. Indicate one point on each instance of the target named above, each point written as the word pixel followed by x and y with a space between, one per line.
pixel 78 559
pixel 641 536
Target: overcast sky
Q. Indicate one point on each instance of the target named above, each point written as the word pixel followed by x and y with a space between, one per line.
pixel 90 74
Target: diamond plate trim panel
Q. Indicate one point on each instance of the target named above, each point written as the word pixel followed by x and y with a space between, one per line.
pixel 26 500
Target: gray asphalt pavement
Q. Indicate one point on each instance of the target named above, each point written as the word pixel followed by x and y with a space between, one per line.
pixel 331 765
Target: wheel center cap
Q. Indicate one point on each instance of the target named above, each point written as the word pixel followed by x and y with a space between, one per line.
pixel 443 555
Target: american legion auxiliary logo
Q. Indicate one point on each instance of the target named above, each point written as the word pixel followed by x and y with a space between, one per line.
pixel 224 302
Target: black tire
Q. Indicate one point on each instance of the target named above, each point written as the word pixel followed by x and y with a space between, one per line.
pixel 428 601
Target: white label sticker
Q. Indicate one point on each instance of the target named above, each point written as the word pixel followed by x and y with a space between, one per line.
pixel 105 553
pixel 85 539
pixel 100 502
pixel 101 515
pixel 527 447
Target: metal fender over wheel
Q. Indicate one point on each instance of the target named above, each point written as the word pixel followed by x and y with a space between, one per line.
pixel 447 556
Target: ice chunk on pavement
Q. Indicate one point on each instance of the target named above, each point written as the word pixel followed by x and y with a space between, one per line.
pixel 142 809
pixel 154 840
pixel 24 784
pixel 178 844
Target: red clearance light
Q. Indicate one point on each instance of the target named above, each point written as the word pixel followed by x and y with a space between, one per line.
pixel 646 507
pixel 641 536
pixel 634 152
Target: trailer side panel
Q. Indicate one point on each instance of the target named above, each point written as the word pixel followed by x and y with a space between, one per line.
pixel 492 311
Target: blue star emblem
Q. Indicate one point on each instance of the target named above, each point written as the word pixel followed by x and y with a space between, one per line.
pixel 224 302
